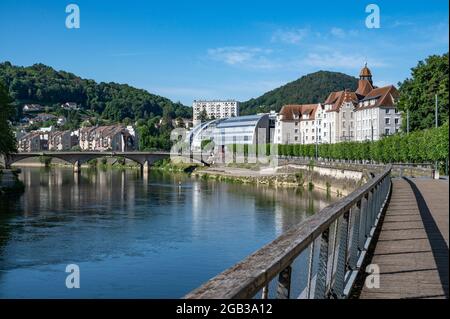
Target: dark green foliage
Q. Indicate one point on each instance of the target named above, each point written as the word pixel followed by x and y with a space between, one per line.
pixel 425 146
pixel 44 85
pixel 417 93
pixel 7 139
pixel 311 88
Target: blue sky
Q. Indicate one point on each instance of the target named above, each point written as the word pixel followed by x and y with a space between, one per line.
pixel 189 50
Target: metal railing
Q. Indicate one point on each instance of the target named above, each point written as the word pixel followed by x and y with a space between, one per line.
pixel 318 259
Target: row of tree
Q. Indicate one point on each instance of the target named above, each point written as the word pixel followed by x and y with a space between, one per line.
pixel 425 146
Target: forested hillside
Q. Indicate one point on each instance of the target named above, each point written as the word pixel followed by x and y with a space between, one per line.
pixel 311 88
pixel 43 85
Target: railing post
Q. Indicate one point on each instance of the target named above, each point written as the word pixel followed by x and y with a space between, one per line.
pixel 310 268
pixel 284 283
pixel 321 279
pixel 354 245
pixel 365 209
pixel 265 292
pixel 338 285
pixel 370 210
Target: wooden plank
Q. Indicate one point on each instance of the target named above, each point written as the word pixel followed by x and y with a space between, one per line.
pixel 405 252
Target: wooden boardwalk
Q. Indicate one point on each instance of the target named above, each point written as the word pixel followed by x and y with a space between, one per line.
pixel 412 248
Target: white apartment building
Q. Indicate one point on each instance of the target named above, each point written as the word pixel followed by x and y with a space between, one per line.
pixel 215 109
pixel 299 124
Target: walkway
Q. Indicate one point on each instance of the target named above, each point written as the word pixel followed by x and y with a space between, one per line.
pixel 412 249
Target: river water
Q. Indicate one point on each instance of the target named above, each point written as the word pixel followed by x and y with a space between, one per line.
pixel 134 236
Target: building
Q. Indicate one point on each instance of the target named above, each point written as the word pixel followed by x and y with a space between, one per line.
pixel 299 124
pixel 107 138
pixel 28 108
pixel 182 122
pixel 249 129
pixel 214 110
pixel 369 113
pixel 61 141
pixel 33 142
pixel 61 120
pixel 43 117
pixel 70 106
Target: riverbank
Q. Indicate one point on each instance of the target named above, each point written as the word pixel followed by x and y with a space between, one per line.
pixel 334 181
pixel 10 183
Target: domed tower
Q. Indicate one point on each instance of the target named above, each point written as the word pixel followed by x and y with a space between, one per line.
pixel 365 74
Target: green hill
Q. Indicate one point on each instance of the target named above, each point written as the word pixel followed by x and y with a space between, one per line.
pixel 311 88
pixel 44 85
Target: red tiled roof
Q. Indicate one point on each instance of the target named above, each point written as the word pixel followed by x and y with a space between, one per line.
pixel 385 96
pixel 364 87
pixel 296 111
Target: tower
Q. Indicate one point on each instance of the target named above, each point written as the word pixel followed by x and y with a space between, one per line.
pixel 365 74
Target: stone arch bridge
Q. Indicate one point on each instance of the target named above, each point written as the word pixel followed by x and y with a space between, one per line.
pixel 144 159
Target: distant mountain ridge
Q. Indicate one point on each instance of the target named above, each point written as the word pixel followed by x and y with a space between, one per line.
pixel 311 88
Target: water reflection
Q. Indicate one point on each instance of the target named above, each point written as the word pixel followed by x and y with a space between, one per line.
pixel 134 235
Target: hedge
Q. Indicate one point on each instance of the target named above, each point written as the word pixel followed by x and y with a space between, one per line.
pixel 424 146
pixel 417 147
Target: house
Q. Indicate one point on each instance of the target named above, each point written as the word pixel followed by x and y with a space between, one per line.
pixel 299 124
pixel 70 106
pixel 28 108
pixel 42 117
pixel 61 120
pixel 62 141
pixel 182 122
pixel 32 142
pixel 107 138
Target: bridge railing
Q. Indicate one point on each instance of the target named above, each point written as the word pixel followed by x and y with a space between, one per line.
pixel 320 258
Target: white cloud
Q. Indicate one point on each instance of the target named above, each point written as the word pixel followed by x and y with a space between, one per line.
pixel 341 33
pixel 339 60
pixel 337 32
pixel 289 36
pixel 243 56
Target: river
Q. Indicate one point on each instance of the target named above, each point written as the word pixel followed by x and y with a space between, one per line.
pixel 133 236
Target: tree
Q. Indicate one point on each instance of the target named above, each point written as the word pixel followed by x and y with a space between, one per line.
pixel 7 139
pixel 417 93
pixel 203 116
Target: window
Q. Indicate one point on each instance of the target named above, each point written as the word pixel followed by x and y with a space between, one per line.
pixel 396 121
pixel 388 111
pixel 296 123
pixel 296 131
pixel 387 131
pixel 296 138
pixel 387 121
